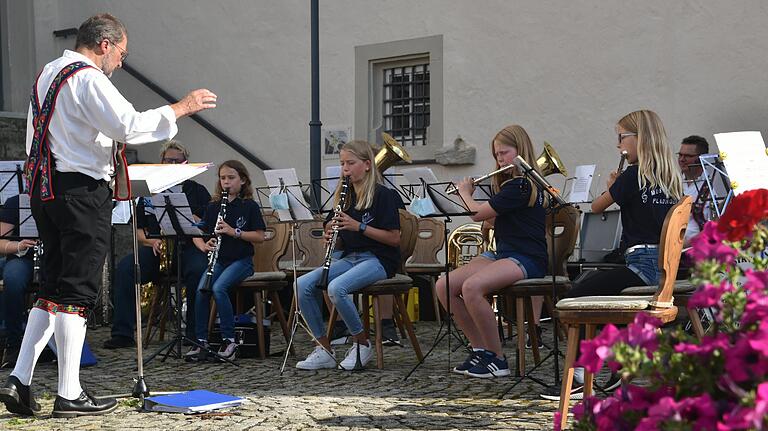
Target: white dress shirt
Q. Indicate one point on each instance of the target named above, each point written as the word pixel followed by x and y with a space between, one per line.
pixel 691 188
pixel 90 113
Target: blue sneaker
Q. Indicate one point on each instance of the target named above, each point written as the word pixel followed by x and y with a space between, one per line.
pixel 489 365
pixel 470 362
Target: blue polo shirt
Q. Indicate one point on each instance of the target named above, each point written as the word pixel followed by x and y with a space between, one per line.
pixel 519 226
pixel 241 213
pixel 642 210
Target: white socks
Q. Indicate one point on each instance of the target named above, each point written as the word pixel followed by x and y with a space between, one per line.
pixel 70 336
pixel 40 326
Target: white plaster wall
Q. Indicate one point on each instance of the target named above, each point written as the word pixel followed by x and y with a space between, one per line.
pixel 564 70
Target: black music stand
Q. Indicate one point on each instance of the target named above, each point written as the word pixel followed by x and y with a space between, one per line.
pixel 181 235
pixel 556 203
pixel 436 192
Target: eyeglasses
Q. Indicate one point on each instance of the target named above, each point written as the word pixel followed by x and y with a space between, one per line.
pixel 686 156
pixel 123 53
pixel 172 161
pixel 624 135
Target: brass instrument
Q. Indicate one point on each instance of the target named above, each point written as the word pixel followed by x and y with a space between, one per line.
pixel 621 162
pixel 390 153
pixel 466 242
pixel 331 246
pixel 548 162
pixel 213 255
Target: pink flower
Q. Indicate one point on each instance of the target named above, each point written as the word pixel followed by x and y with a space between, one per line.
pixel 708 344
pixel 598 349
pixel 558 418
pixel 700 411
pixel 743 363
pixel 708 295
pixel 708 245
pixel 643 333
pixel 758 415
pixel 756 309
pixel 756 280
pixel 758 341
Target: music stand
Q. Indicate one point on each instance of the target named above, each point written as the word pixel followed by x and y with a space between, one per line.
pixel 556 203
pixel 297 211
pixel 11 179
pixel 446 208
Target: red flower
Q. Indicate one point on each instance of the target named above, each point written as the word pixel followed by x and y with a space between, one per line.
pixel 744 211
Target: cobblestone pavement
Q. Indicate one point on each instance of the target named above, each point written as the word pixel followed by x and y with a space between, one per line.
pixel 432 398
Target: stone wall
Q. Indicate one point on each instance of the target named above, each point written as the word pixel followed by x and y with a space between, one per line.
pixel 12 135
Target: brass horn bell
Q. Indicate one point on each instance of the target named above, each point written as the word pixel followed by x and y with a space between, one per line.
pixel 549 162
pixel 390 153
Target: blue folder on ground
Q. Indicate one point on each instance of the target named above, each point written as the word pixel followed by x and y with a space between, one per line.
pixel 191 402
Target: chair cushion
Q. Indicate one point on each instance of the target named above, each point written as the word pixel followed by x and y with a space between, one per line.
pixel 397 279
pixel 605 303
pixel 681 287
pixel 266 276
pixel 559 279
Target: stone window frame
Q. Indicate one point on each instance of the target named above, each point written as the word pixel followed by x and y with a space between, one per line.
pixel 370 61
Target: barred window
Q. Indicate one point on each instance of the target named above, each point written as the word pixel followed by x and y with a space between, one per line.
pixel 406 103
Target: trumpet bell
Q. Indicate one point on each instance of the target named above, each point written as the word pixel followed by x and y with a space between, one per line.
pixel 390 153
pixel 549 162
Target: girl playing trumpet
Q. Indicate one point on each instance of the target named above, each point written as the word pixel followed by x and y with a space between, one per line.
pixel 516 212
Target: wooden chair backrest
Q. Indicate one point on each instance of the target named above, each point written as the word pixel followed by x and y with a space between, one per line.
pixel 409 226
pixel 670 247
pixel 267 254
pixel 464 243
pixel 429 242
pixel 566 232
pixel 310 243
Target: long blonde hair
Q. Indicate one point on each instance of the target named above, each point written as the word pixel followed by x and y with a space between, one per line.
pixel 657 166
pixel 363 151
pixel 512 136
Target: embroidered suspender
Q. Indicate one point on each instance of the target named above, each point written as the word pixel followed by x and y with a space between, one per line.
pixel 39 159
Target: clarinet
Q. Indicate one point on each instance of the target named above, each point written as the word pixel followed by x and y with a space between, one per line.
pixel 331 246
pixel 213 255
pixel 36 262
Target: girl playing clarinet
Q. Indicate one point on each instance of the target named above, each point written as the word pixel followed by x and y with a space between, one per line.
pixel 369 235
pixel 517 214
pixel 242 227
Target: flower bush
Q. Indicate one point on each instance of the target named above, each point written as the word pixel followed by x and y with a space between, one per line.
pixel 717 383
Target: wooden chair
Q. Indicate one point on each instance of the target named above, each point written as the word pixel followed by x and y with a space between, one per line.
pixel 521 293
pixel 681 293
pixel 430 239
pixel 591 311
pixel 396 286
pixel 267 279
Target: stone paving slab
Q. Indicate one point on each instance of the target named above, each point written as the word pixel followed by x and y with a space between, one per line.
pixel 432 398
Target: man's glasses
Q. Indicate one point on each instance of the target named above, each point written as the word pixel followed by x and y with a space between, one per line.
pixel 123 53
pixel 172 161
pixel 624 135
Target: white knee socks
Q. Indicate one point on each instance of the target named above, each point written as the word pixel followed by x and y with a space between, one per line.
pixel 70 335
pixel 40 326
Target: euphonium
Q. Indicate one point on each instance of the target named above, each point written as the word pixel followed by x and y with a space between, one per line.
pixel 213 255
pixel 331 246
pixel 389 154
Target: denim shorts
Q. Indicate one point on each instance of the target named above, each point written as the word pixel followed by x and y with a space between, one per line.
pixel 531 267
pixel 645 263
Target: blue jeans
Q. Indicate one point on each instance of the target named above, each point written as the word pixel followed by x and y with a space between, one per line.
pixel 645 263
pixel 193 263
pixel 17 276
pixel 223 280
pixel 347 275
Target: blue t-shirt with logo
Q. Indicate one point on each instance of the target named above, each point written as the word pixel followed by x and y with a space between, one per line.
pixel 519 225
pixel 642 210
pixel 383 215
pixel 241 213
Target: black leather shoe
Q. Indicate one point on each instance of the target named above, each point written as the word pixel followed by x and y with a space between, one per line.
pixel 85 405
pixel 118 342
pixel 18 398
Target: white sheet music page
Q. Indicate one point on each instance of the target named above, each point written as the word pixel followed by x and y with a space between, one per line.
pixel 9 178
pixel 27 226
pixel 161 177
pixel 745 158
pixel 299 208
pixel 182 210
pixel 582 183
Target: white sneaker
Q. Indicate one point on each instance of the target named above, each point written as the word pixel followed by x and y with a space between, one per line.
pixel 317 360
pixel 366 354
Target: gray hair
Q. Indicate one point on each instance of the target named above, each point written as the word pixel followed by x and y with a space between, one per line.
pixel 174 145
pixel 100 27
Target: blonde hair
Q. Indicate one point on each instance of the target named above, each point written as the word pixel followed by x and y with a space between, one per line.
pixel 363 151
pixel 246 191
pixel 513 136
pixel 657 166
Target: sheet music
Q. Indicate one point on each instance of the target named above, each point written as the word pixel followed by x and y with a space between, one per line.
pixel 121 213
pixel 440 200
pixel 161 177
pixel 745 158
pixel 333 173
pixel 582 184
pixel 27 225
pixel 296 201
pixel 182 210
pixel 9 181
